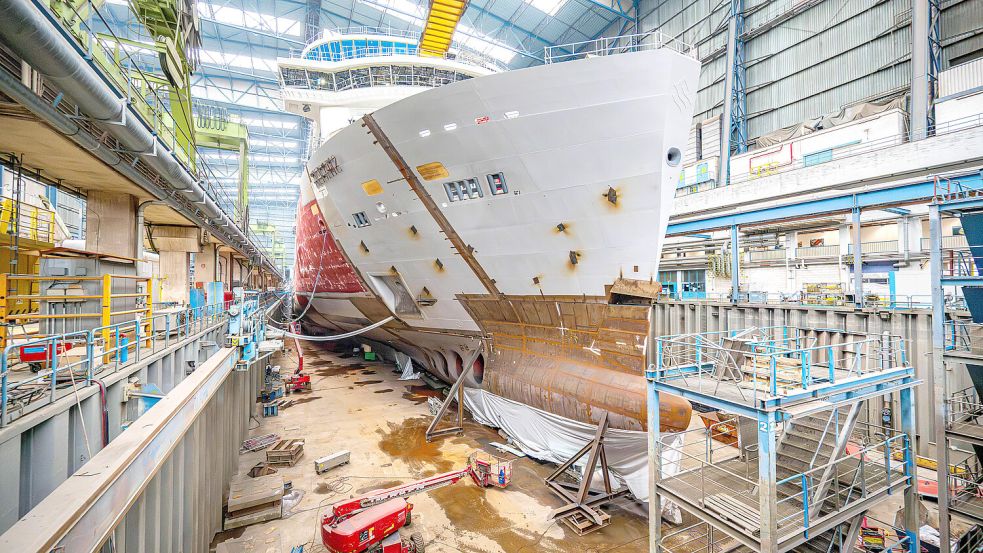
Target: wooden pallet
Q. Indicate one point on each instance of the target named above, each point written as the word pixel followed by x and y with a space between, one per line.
pixel 253 500
pixel 285 453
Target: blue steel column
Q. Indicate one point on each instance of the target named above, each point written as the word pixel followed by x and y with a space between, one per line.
pixel 735 265
pixel 733 120
pixel 937 374
pixel 654 453
pixel 858 276
pixel 767 477
pixel 911 507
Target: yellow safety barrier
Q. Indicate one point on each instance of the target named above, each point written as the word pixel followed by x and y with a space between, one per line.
pixel 35 223
pixel 105 314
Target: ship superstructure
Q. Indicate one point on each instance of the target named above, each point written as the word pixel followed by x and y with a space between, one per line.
pixel 518 213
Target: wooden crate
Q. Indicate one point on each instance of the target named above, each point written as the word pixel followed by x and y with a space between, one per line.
pixel 285 453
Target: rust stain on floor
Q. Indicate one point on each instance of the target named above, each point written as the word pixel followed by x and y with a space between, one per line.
pixel 367 382
pixel 384 485
pixel 407 441
pixel 419 394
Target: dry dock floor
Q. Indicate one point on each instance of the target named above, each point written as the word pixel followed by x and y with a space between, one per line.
pixel 363 407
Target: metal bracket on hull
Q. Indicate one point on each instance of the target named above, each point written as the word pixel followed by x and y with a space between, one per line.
pixel 583 513
pixel 456 392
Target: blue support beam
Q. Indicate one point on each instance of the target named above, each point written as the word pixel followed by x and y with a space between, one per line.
pixel 897 210
pixel 738 113
pixel 962 281
pixel 858 274
pixel 735 264
pixel 768 478
pixel 911 502
pixel 885 197
pixel 611 10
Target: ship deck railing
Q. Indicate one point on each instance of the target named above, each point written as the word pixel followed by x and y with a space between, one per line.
pixel 313 82
pixel 764 367
pixel 466 57
pixel 720 482
pixel 622 44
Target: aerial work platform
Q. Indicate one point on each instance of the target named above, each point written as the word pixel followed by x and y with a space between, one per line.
pixel 816 463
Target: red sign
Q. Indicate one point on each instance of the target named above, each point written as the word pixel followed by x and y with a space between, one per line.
pixel 482 120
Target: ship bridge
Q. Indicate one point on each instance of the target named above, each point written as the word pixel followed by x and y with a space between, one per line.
pixel 343 75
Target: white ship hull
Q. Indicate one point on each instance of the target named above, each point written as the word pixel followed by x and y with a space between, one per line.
pixel 589 153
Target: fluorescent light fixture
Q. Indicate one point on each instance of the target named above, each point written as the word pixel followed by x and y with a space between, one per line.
pixel 511 114
pixel 450 126
pixel 424 133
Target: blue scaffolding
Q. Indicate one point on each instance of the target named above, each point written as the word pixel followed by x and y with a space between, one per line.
pixel 805 467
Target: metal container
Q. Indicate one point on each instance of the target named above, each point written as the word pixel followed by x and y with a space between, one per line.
pixel 328 462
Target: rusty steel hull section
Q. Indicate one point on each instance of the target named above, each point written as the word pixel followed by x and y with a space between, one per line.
pixel 581 392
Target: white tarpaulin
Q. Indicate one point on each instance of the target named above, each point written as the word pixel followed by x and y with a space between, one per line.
pixel 405 364
pixel 554 438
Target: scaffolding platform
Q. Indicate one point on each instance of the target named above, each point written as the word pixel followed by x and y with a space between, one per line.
pixel 814 468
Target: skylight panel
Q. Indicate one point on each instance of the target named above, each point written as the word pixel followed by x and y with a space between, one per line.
pixel 250 19
pixel 471 39
pixel 403 10
pixel 550 7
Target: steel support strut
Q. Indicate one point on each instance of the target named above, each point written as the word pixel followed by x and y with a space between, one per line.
pixel 937 374
pixel 654 451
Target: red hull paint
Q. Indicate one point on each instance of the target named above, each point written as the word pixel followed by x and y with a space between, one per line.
pixel 319 252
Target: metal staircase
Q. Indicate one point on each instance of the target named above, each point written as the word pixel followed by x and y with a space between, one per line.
pixel 815 470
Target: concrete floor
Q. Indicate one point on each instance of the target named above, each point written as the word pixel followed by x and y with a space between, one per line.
pixel 363 407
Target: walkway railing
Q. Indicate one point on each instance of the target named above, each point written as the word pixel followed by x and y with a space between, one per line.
pixel 608 46
pixel 47 309
pixel 896 302
pixel 760 363
pixel 854 150
pixel 77 358
pixel 27 221
pixel 964 406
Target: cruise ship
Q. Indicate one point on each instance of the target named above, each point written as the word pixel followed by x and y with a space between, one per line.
pixel 511 217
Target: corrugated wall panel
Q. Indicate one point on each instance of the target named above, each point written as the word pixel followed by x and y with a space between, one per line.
pixel 772 90
pixel 869 87
pixel 834 54
pixel 961 78
pixel 962 31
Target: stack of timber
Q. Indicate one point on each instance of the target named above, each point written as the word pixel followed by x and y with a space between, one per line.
pixel 253 500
